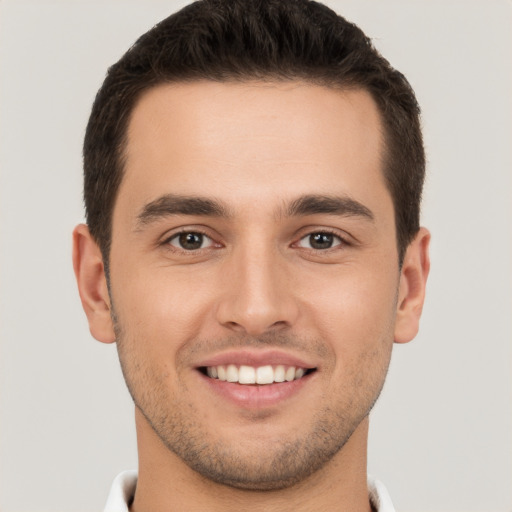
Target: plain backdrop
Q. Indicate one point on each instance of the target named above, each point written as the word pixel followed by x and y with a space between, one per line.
pixel 441 434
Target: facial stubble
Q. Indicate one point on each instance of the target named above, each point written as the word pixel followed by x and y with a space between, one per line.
pixel 280 462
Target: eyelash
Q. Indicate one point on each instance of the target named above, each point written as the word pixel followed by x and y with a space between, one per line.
pixel 167 241
pixel 342 241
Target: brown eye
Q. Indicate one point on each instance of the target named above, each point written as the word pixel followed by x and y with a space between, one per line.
pixel 190 241
pixel 320 240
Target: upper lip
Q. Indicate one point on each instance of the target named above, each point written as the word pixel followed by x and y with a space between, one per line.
pixel 256 358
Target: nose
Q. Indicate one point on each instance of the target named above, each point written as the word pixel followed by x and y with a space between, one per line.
pixel 257 293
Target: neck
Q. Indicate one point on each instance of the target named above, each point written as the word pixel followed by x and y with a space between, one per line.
pixel 166 483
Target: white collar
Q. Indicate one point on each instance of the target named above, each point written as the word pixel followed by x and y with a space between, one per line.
pixel 123 490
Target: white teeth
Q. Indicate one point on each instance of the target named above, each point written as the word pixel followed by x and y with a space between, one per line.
pixel 279 373
pixel 250 375
pixel 221 372
pixel 247 375
pixel 290 374
pixel 232 373
pixel 265 375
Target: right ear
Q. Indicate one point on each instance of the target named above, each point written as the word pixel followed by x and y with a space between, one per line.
pixel 92 284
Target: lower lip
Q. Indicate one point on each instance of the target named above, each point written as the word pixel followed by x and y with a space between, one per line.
pixel 254 396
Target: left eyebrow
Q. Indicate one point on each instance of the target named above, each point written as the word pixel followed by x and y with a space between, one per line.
pixel 326 204
pixel 172 204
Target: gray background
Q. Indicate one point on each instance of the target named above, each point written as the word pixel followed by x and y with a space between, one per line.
pixel 441 434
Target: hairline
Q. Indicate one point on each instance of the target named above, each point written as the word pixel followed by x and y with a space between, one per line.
pixel 257 79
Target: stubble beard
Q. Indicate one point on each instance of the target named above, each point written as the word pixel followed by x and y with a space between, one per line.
pixel 277 466
pixel 251 465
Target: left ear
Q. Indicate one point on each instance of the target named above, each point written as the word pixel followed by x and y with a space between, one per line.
pixel 411 293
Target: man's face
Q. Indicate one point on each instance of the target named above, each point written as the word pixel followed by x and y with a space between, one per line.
pixel 254 238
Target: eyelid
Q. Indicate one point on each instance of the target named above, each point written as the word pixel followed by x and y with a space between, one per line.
pixel 341 241
pixel 345 238
pixel 205 238
pixel 172 234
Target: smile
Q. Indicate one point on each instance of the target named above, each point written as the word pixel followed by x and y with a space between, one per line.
pixel 257 379
pixel 247 375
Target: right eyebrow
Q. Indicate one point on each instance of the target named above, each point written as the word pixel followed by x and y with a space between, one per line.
pixel 173 204
pixel 326 204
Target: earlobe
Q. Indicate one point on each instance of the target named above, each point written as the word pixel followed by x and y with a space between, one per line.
pixel 92 284
pixel 411 293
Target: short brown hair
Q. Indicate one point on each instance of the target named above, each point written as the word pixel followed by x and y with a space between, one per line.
pixel 240 40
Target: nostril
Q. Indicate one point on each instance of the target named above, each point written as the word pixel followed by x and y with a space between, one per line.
pixel 255 329
pixel 279 324
pixel 234 326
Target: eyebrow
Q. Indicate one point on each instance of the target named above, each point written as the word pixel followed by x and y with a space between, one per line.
pixel 326 204
pixel 314 204
pixel 172 204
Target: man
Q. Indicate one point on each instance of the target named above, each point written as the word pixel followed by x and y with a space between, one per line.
pixel 253 175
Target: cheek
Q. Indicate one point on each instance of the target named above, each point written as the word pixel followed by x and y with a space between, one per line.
pixel 161 301
pixel 355 311
pixel 357 321
pixel 161 312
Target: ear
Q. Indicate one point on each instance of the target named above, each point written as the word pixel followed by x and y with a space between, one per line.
pixel 92 284
pixel 411 293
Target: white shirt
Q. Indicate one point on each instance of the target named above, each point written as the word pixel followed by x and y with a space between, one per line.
pixel 123 490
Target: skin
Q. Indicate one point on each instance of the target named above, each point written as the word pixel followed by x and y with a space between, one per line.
pixel 256 284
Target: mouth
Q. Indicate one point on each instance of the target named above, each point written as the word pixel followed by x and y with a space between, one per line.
pixel 255 375
pixel 257 379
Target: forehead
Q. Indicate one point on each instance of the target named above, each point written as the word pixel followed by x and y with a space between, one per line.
pixel 283 138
